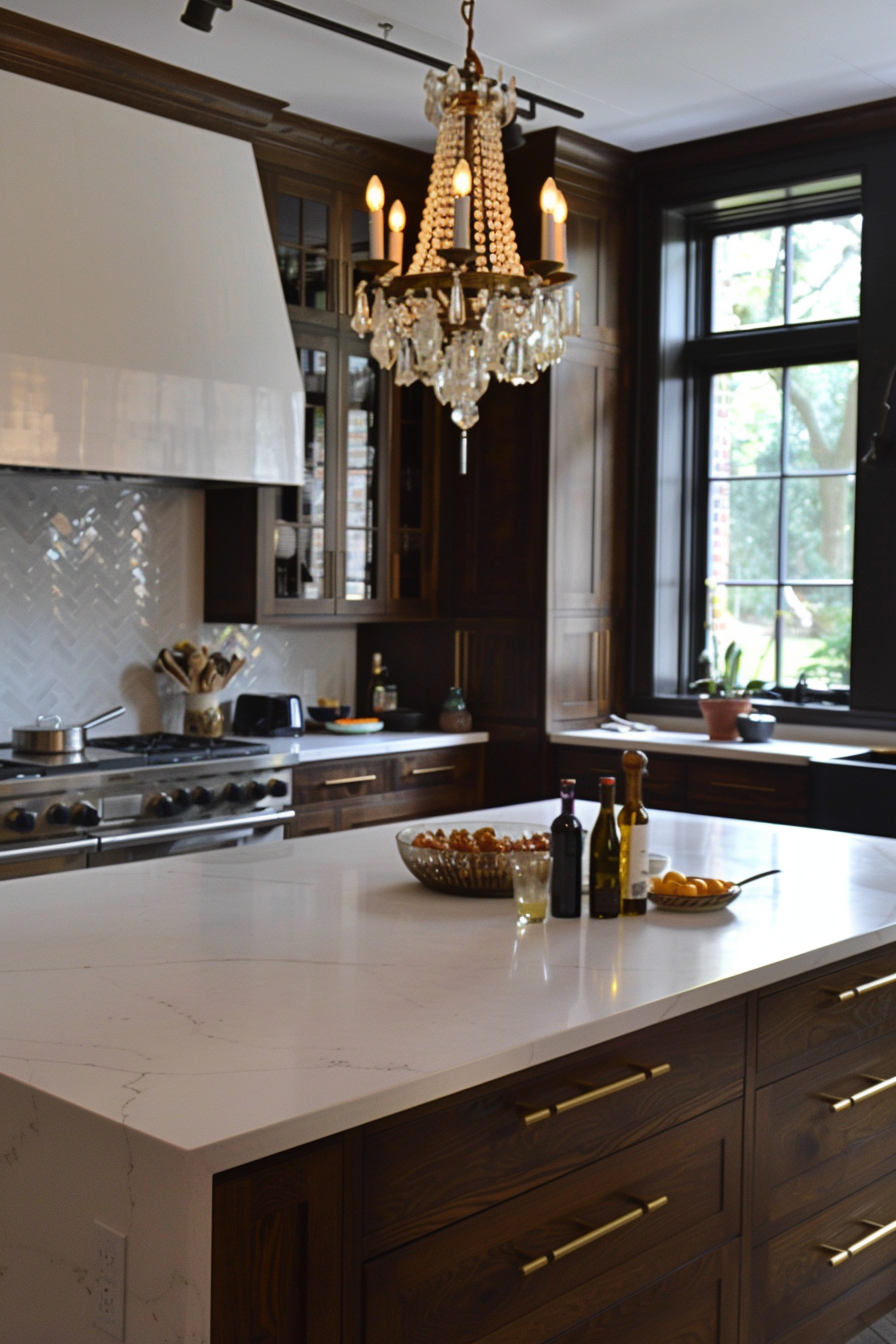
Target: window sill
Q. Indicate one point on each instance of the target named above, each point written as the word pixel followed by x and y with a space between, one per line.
pixel 828 716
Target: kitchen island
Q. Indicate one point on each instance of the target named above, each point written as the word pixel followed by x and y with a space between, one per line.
pixel 181 1018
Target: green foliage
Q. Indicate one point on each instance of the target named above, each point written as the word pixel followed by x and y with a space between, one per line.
pixel 830 662
pixel 720 678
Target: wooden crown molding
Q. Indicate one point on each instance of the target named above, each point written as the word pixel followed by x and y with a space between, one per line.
pixel 825 129
pixel 58 56
pixel 317 149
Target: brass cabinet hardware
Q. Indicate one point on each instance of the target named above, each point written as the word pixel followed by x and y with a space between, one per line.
pixel 340 574
pixel 532 1114
pixel 844 1103
pixel 746 788
pixel 594 1234
pixel 432 769
pixel 329 558
pixel 881 1230
pixel 847 994
pixel 350 779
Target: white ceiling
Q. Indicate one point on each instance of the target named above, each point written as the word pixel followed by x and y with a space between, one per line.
pixel 644 72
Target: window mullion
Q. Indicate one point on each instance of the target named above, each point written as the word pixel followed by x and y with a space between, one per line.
pixel 782 522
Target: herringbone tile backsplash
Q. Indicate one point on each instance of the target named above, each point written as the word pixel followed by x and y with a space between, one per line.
pixel 95 576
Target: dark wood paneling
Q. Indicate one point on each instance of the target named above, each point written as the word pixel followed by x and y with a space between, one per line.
pixel 695 1305
pixel 798 1295
pixel 466 1282
pixel 807 1023
pixel 809 1156
pixel 58 56
pixel 333 781
pixel 277 1250
pixel 458 766
pixel 665 782
pixel 449 1163
pixel 746 789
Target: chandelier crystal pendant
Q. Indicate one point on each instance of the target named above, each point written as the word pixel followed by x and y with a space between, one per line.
pixel 467 309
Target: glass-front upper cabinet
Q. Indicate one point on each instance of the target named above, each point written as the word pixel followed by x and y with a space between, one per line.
pixel 325 537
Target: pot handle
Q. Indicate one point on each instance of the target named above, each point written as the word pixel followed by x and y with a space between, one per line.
pixel 103 718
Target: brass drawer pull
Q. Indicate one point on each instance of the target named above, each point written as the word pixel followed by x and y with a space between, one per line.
pixel 881 1230
pixel 432 769
pixel 595 1233
pixel 350 779
pixel 849 994
pixel 844 1103
pixel 532 1114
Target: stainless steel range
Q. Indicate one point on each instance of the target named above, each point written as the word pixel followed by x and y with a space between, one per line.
pixel 127 798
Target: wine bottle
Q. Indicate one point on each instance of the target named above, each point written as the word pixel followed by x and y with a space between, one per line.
pixel 603 883
pixel 376 686
pixel 634 832
pixel 566 852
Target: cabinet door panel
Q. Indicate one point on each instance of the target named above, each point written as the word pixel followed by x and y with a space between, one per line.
pixel 276 1251
pixel 678 1193
pixel 449 1163
pixel 580 668
pixel 585 389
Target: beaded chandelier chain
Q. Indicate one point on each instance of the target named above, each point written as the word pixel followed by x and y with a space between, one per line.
pixel 467 309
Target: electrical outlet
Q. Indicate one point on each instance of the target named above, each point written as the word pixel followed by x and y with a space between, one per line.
pixel 110 1252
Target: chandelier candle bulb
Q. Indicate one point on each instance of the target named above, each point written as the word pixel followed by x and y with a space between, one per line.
pixel 548 202
pixel 462 185
pixel 376 199
pixel 561 211
pixel 397 221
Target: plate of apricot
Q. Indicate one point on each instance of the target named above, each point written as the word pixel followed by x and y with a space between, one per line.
pixel 675 891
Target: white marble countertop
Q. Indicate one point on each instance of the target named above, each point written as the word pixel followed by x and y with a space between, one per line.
pixel 235 1003
pixel 325 746
pixel 781 751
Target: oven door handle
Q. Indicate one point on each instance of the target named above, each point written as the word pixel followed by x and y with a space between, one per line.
pixel 49 849
pixel 148 836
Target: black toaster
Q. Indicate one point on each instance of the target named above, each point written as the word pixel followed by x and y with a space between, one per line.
pixel 268 716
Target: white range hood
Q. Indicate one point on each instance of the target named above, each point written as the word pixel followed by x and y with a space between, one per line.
pixel 142 324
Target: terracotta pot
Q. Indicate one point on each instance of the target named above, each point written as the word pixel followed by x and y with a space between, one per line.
pixel 721 717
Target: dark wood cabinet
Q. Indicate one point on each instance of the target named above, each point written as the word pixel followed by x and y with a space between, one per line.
pixel 618 1220
pixel 747 789
pixel 340 795
pixel 277 1250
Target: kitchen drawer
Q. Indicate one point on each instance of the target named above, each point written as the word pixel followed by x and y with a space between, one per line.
pixel 807 1153
pixel 448 1163
pixel 810 1021
pixel 532 1267
pixel 428 769
pixel 331 781
pixel 693 1305
pixel 664 782
pixel 755 792
pixel 799 1296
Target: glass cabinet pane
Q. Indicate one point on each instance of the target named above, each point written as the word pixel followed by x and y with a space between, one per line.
pixel 299 533
pixel 362 473
pixel 303 229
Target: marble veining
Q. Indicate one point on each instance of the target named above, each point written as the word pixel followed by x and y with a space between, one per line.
pixel 234 1003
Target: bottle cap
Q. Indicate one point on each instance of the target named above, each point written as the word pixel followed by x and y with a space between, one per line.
pixel 610 779
pixel 567 783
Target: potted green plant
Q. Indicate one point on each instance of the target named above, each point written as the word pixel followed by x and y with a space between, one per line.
pixel 721 696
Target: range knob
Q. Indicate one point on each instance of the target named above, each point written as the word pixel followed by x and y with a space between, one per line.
pixel 162 805
pixel 235 793
pixel 59 814
pixel 257 790
pixel 202 796
pixel 182 799
pixel 278 788
pixel 20 819
pixel 85 814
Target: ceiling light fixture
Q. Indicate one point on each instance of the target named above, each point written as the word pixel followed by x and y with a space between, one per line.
pixel 468 309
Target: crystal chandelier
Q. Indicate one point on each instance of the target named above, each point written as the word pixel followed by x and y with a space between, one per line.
pixel 467 309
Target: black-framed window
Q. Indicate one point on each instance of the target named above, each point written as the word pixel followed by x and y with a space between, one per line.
pixel 771 364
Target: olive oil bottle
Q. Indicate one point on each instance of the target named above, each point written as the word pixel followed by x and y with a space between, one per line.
pixel 634 832
pixel 603 882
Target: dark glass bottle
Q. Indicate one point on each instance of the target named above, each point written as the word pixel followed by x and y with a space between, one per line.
pixel 603 884
pixel 566 852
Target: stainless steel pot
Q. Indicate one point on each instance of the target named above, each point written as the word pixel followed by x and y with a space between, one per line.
pixel 48 737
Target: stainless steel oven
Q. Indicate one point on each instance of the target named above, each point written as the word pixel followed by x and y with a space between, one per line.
pixel 214 833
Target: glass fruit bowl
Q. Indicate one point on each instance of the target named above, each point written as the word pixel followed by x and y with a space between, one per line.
pixel 459 872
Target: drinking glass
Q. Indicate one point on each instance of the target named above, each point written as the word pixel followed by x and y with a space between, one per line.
pixel 531 886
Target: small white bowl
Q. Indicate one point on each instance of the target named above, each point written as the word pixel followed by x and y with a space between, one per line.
pixel 658 864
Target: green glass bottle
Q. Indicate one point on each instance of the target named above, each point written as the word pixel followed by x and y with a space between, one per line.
pixel 603 882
